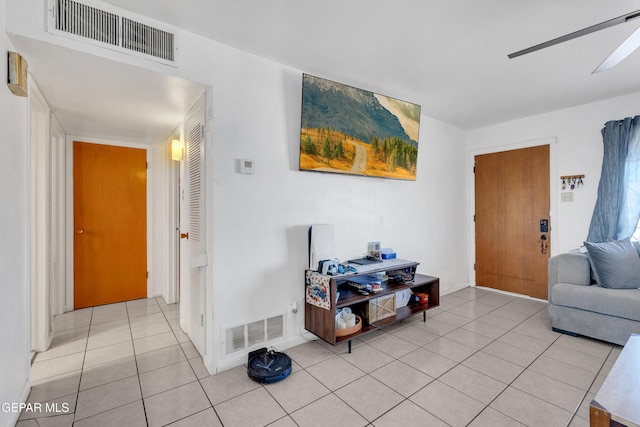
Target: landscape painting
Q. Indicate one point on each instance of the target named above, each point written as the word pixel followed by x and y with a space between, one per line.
pixel 358 132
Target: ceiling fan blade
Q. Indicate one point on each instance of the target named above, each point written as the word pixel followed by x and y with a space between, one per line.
pixel 592 29
pixel 625 49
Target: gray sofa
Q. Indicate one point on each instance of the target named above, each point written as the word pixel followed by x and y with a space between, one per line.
pixel 578 307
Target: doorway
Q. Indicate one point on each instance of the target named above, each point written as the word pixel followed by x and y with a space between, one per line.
pixel 512 206
pixel 110 224
pixel 132 105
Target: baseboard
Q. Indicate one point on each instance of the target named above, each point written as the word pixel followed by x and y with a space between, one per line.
pixel 513 294
pixel 215 367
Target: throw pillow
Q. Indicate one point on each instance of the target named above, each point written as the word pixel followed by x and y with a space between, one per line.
pixel 616 264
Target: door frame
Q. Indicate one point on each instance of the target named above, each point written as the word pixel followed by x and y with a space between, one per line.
pixel 173 194
pixel 69 305
pixel 40 170
pixel 552 142
pixel 58 218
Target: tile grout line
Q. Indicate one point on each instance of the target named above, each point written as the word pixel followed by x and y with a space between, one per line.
pixel 135 360
pixel 198 380
pixel 404 399
pixel 575 414
pixel 518 376
pixel 111 382
pixel 480 349
pixel 398 359
pixel 477 351
pixel 84 358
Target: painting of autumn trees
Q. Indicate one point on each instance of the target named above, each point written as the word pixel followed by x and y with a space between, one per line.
pixel 353 131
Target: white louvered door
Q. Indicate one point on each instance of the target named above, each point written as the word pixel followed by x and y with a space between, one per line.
pixel 194 216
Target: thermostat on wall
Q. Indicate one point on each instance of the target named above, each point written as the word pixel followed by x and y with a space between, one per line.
pixel 247 166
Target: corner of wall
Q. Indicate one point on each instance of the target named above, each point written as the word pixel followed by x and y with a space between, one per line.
pixel 14 306
pixel 454 288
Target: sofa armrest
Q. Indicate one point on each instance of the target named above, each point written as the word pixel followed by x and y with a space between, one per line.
pixel 569 267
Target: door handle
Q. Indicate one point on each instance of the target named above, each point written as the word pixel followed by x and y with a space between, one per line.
pixel 543 244
pixel 184 235
pixel 79 231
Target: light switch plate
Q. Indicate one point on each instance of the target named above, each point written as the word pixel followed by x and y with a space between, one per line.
pixel 566 197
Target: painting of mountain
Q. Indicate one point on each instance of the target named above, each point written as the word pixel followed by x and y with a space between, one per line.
pixel 355 131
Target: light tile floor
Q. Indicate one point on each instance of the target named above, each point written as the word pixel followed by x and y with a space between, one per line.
pixel 481 359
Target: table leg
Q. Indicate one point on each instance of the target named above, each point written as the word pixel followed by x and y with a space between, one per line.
pixel 599 417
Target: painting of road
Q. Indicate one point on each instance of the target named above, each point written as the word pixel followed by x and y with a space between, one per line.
pixel 357 132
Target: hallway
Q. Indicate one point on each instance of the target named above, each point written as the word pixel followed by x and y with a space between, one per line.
pixel 104 360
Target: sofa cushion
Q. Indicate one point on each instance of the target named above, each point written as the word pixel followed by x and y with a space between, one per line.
pixel 616 264
pixel 624 303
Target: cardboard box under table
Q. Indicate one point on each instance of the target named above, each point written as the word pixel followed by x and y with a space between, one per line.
pixel 381 308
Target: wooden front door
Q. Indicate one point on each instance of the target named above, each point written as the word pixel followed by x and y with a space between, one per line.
pixel 110 224
pixel 511 198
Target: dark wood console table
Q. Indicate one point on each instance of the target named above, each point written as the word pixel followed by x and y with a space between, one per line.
pixel 321 321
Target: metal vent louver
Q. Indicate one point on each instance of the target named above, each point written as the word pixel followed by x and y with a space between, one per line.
pixel 254 333
pixel 235 339
pixel 275 327
pixel 93 23
pixel 87 21
pixel 147 39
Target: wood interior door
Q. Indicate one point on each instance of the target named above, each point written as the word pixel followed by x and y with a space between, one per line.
pixel 511 199
pixel 110 224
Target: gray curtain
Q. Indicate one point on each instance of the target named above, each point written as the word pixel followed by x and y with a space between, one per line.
pixel 617 209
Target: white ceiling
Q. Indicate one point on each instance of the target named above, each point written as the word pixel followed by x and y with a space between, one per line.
pixel 104 99
pixel 448 56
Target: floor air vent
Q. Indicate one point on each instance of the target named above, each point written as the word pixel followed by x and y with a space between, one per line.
pixel 114 29
pixel 248 335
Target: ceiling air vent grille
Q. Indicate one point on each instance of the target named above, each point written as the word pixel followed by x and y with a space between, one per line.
pixel 87 21
pixel 118 29
pixel 146 39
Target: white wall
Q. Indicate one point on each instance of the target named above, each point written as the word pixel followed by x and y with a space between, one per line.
pixel 579 151
pixel 14 215
pixel 260 221
pixel 257 224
